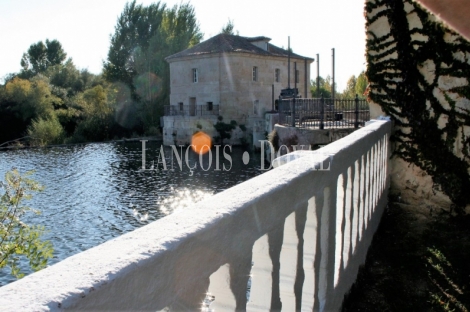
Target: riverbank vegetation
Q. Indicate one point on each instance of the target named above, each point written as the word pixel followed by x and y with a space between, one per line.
pixel 18 240
pixel 51 101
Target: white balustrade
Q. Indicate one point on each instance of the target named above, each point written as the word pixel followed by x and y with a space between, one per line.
pixel 291 238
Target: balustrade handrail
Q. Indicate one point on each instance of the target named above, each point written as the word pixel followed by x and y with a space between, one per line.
pixel 237 249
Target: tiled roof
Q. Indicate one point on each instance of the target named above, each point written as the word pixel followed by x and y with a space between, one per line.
pixel 223 43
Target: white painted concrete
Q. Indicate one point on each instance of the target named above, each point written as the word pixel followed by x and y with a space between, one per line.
pixel 173 262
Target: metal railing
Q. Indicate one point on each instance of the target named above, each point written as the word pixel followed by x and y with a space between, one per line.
pixel 323 113
pixel 191 110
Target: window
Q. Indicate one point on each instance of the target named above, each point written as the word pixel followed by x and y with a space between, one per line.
pixel 297 75
pixel 255 107
pixel 195 75
pixel 181 105
pixel 255 73
pixel 210 106
pixel 278 75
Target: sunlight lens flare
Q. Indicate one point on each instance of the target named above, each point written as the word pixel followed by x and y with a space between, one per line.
pixel 201 142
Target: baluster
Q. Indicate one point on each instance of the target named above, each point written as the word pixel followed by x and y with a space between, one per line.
pixel 288 267
pixel 376 174
pixel 362 198
pixel 381 167
pixel 240 267
pixel 261 277
pixel 347 219
pixel 328 300
pixel 324 234
pixel 219 296
pixel 275 238
pixel 367 169
pixel 356 207
pixel 340 205
pixel 309 255
pixel 371 182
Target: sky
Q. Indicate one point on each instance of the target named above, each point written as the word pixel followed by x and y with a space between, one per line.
pixel 83 27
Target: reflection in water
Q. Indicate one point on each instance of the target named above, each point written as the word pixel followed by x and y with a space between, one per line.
pixel 181 199
pixel 95 192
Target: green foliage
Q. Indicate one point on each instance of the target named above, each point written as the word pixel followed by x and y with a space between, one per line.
pixel 144 36
pixel 418 104
pixel 361 84
pixel 135 27
pixel 325 87
pixel 443 276
pixel 65 76
pixel 17 239
pixel 355 85
pixel 32 98
pixel 46 131
pixel 229 28
pixel 224 129
pixel 50 91
pixel 350 91
pixel 61 102
pixel 96 109
pixel 40 56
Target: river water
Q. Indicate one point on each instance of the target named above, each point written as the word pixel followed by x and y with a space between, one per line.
pixel 98 191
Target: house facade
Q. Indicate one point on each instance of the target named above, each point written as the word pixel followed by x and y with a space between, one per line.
pixel 234 77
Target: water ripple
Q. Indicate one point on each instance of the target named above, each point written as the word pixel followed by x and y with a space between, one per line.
pixel 95 192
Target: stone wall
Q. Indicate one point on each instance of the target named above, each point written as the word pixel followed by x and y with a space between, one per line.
pixel 226 80
pixel 178 130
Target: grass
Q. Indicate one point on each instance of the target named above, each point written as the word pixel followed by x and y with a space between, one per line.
pixel 415 263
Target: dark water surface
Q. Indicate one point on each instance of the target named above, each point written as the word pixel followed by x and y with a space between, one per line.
pixel 96 192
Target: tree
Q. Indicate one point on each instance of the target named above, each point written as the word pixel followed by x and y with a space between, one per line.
pixel 65 76
pixel 361 84
pixel 229 28
pixel 135 27
pixel 40 56
pixel 143 37
pixel 325 87
pixel 30 99
pixel 55 53
pixel 350 91
pixel 17 239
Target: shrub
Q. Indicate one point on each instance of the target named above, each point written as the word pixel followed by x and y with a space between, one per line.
pixel 18 239
pixel 224 129
pixel 46 131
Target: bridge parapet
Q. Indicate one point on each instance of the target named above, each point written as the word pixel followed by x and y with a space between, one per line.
pixel 290 238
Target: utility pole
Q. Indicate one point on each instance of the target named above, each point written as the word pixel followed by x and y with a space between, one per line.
pixel 333 77
pixel 288 62
pixel 318 75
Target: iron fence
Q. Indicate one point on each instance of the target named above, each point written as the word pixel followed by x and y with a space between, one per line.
pixel 323 113
pixel 191 110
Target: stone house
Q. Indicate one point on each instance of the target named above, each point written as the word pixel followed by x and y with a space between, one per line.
pixel 235 77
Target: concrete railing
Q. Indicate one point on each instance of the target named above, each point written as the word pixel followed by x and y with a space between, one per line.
pixel 290 238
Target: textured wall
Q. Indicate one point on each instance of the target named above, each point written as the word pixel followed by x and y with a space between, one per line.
pixel 418 72
pixel 226 79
